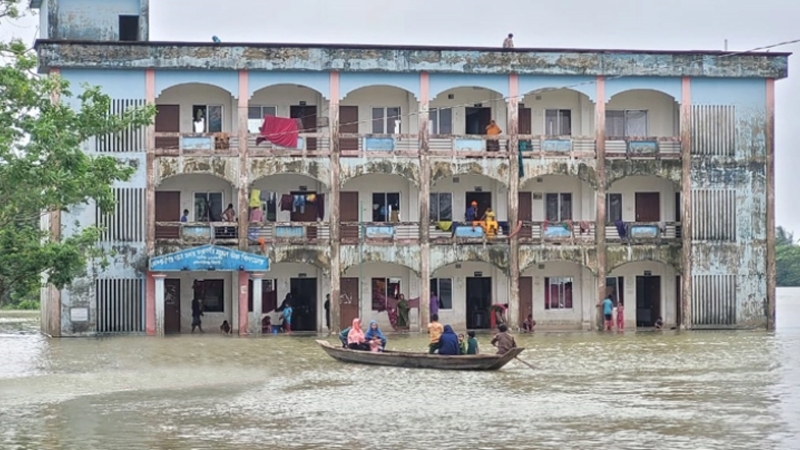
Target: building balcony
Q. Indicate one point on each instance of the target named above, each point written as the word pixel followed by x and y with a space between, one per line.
pixel 556 146
pixel 380 145
pixel 652 233
pixel 308 144
pixel 465 233
pixel 187 234
pixel 568 233
pixel 643 148
pixel 469 146
pixel 195 144
pixel 379 232
pixel 289 233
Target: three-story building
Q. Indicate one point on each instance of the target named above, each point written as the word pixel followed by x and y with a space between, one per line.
pixel 644 175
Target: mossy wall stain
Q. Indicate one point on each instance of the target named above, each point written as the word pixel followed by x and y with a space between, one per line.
pixel 496 255
pixel 312 167
pixel 226 168
pixel 494 168
pixel 584 170
pixel 618 255
pixel 531 256
pixel 407 255
pixel 407 168
pixel 668 169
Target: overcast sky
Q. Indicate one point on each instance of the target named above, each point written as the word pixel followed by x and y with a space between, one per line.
pixel 638 24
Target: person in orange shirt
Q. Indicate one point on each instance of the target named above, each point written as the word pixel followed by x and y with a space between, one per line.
pixel 492 129
pixel 435 330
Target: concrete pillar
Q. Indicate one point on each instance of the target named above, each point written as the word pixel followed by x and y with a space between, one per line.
pixel 244 171
pixel 150 304
pixel 769 133
pixel 159 303
pixel 600 226
pixel 244 279
pixel 513 200
pixel 150 203
pixel 255 322
pixel 52 326
pixel 686 204
pixel 333 214
pixel 424 203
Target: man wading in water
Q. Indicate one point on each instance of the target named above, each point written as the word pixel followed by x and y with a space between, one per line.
pixel 197 311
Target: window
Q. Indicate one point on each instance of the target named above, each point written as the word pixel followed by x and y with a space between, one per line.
pixel 558 207
pixel 557 122
pixel 613 208
pixel 255 117
pixel 626 123
pixel 441 206
pixel 128 28
pixel 207 206
pixel 269 295
pixel 211 294
pixel 385 207
pixel 441 121
pixel 558 293
pixel 207 118
pixel 386 120
pixel 443 288
pixel 383 288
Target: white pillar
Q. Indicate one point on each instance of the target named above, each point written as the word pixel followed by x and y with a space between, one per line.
pixel 256 317
pixel 159 277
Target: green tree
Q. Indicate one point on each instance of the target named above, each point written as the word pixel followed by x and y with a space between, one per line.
pixel 787 258
pixel 42 168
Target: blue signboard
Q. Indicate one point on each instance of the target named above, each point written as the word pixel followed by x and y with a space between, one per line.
pixel 557 145
pixel 378 144
pixel 643 147
pixel 209 257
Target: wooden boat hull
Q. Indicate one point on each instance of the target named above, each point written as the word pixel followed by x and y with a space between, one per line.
pixel 420 360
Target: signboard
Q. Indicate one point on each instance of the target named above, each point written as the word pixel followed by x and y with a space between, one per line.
pixel 557 145
pixel 209 257
pixel 374 144
pixel 79 314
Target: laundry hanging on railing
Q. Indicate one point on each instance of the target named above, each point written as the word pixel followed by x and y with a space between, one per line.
pixel 298 202
pixel 255 198
pixel 280 131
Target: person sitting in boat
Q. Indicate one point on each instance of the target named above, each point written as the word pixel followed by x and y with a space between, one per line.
pixel 462 343
pixel 343 336
pixel 503 340
pixel 472 344
pixel 355 337
pixel 448 342
pixel 375 345
pixel 374 333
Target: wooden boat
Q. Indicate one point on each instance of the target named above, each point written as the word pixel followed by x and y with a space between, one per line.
pixel 419 360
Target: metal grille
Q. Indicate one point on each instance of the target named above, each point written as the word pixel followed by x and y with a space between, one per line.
pixel 130 140
pixel 714 299
pixel 120 305
pixel 714 215
pixel 126 223
pixel 713 130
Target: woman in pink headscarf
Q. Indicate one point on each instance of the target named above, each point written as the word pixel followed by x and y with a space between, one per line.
pixel 355 338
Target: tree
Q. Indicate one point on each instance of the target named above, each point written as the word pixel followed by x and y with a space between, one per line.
pixel 42 168
pixel 787 258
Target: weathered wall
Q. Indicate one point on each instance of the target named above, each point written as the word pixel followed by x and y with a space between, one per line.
pixel 87 20
pixel 367 185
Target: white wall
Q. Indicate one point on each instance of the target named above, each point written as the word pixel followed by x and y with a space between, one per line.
pixel 457 317
pixel 662 110
pixel 581 106
pixel 667 274
pixel 191 183
pixel 409 286
pixel 384 96
pixel 467 183
pixel 284 184
pixel 583 195
pixel 629 186
pixel 583 294
pixel 366 185
pixel 189 95
pixel 470 96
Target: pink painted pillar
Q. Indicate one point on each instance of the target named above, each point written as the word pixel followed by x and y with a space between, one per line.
pixel 150 304
pixel 244 277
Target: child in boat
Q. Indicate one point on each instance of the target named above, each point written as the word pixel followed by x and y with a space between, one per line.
pixel 462 343
pixel 373 333
pixel 472 344
pixel 375 345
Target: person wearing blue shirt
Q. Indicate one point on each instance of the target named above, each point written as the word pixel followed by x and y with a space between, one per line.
pixel 287 318
pixel 608 309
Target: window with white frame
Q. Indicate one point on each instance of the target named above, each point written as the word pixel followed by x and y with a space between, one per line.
pixel 441 121
pixel 207 118
pixel 614 207
pixel 557 122
pixel 386 120
pixel 255 116
pixel 208 206
pixel 626 123
pixel 558 293
pixel 386 207
pixel 441 207
pixel 558 207
pixel 443 288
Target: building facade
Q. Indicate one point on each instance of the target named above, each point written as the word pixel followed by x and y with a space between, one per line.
pixel 644 175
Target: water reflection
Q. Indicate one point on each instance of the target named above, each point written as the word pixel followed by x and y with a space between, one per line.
pixel 711 390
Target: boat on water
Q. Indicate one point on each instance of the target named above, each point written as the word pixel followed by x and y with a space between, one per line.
pixel 412 360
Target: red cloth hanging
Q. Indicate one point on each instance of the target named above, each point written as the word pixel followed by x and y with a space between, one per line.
pixel 280 131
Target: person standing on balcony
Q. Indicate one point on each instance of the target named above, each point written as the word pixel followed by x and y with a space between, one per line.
pixel 229 215
pixel 256 215
pixel 509 41
pixel 472 213
pixel 492 144
pixel 185 216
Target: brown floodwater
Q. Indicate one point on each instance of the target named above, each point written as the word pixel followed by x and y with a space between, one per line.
pixel 638 390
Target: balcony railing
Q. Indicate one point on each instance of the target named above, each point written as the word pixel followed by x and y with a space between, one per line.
pixel 290 232
pixel 379 232
pixel 556 146
pixel 643 147
pixel 467 233
pixel 366 145
pixel 197 233
pixel 308 144
pixel 175 144
pixel 569 232
pixel 642 232
pixel 470 146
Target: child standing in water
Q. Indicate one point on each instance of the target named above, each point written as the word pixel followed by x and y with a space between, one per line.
pixel 620 316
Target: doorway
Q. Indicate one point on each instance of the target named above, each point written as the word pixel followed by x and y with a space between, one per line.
pixel 168 120
pixel 348 124
pixel 172 306
pixel 524 126
pixel 168 209
pixel 304 304
pixel 349 306
pixel 479 300
pixel 648 207
pixel 348 212
pixel 308 121
pixel 648 300
pixel 476 120
pixel 525 214
pixel 484 200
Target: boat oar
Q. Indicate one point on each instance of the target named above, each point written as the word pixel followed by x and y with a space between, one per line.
pixel 525 362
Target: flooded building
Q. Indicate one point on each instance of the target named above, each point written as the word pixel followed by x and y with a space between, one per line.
pixel 541 179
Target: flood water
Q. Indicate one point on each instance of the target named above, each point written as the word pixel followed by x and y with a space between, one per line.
pixel 646 390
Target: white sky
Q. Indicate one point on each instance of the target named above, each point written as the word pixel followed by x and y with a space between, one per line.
pixel 617 24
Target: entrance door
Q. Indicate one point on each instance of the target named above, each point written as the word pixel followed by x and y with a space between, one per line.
pixel 307 214
pixel 525 213
pixel 348 302
pixel 648 207
pixel 304 305
pixel 348 212
pixel 168 120
pixel 172 305
pixel 348 123
pixel 479 300
pixel 648 300
pixel 168 209
pixel 308 118
pixel 525 298
pixel 524 126
pixel 484 200
pixel 477 119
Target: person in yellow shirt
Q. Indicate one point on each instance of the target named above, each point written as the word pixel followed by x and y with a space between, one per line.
pixel 492 129
pixel 435 330
pixel 490 225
